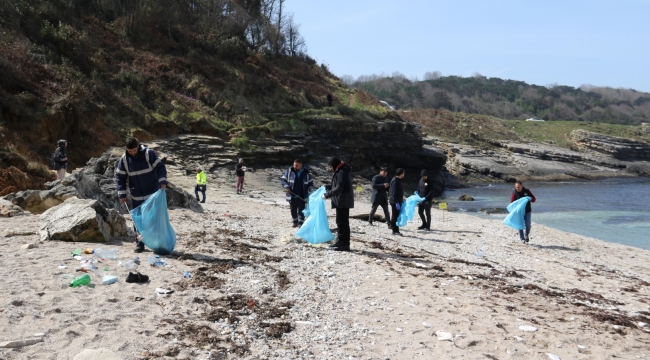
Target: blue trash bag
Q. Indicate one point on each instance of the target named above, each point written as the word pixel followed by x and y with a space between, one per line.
pixel 152 221
pixel 315 229
pixel 407 212
pixel 517 210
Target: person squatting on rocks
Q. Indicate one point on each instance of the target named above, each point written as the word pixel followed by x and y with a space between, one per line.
pixel 342 200
pixel 60 159
pixel 396 198
pixel 519 192
pixel 379 195
pixel 144 173
pixel 297 183
pixel 425 190
pixel 201 183
pixel 240 170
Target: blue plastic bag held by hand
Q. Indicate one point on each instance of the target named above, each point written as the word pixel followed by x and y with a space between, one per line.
pixel 315 229
pixel 407 213
pixel 517 210
pixel 152 220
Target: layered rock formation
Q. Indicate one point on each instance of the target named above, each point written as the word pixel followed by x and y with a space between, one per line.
pixel 509 161
pixel 617 147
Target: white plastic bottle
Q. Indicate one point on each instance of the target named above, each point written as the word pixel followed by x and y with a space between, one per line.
pixel 105 253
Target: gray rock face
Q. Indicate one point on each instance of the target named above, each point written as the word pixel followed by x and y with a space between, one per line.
pixel 7 209
pixel 81 220
pixel 96 181
pixel 645 127
pixel 619 148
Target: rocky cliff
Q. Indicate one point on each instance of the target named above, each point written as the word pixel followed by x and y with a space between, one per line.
pixel 619 148
pixel 598 156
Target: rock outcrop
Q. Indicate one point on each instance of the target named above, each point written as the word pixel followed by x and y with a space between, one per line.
pixel 361 143
pixel 8 209
pixel 81 220
pixel 95 181
pixel 617 147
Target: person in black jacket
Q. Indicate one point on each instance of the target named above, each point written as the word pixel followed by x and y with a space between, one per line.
pixel 379 195
pixel 425 190
pixel 342 200
pixel 240 171
pixel 519 192
pixel 60 159
pixel 396 198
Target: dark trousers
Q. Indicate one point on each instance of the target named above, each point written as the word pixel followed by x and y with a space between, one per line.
pixel 424 208
pixel 297 206
pixel 197 189
pixel 384 206
pixel 343 223
pixel 393 218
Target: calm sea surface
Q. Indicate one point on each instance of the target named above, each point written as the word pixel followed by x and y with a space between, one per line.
pixel 615 210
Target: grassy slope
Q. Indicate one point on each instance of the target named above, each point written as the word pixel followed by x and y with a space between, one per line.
pixel 481 130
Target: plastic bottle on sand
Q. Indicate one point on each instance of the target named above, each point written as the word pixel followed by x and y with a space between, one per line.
pixel 105 253
pixel 81 280
pixel 107 280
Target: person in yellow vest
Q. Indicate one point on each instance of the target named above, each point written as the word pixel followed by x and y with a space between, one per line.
pixel 201 182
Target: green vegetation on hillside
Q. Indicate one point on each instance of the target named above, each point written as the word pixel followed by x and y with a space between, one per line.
pixel 94 72
pixel 509 99
pixel 484 131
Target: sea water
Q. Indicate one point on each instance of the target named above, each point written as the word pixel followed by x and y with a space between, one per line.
pixel 615 210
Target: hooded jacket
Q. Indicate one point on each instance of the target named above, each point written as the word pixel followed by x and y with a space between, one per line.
pixel 341 189
pixel 59 155
pixel 144 172
pixel 201 179
pixel 302 188
pixel 524 192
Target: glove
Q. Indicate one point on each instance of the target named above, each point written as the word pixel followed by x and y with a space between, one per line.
pixel 398 206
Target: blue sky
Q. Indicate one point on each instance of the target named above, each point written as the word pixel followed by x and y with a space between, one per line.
pixel 570 42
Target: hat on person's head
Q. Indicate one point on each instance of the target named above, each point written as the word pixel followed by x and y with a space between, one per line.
pixel 424 173
pixel 198 168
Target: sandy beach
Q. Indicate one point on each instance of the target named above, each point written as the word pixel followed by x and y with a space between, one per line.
pixel 467 289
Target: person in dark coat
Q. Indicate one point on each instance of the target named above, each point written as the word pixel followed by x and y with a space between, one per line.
pixel 425 190
pixel 519 192
pixel 60 159
pixel 342 200
pixel 379 195
pixel 396 198
pixel 143 172
pixel 297 183
pixel 329 100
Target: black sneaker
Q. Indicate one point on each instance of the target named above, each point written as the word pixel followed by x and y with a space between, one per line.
pixel 422 227
pixel 139 246
pixel 334 245
pixel 390 226
pixel 527 239
pixel 136 278
pixel 342 248
pixel 295 225
pixel 203 202
pixel 397 233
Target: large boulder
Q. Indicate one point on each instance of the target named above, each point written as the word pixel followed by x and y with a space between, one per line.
pixel 37 201
pixel 7 209
pixel 81 220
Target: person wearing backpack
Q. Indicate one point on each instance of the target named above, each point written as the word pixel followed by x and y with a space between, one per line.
pixel 60 159
pixel 144 172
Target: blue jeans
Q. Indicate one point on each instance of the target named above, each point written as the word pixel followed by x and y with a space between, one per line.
pixel 527 221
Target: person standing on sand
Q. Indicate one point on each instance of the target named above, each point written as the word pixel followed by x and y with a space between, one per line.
pixel 379 195
pixel 342 200
pixel 240 170
pixel 396 198
pixel 144 173
pixel 201 183
pixel 425 190
pixel 519 192
pixel 297 183
pixel 60 159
